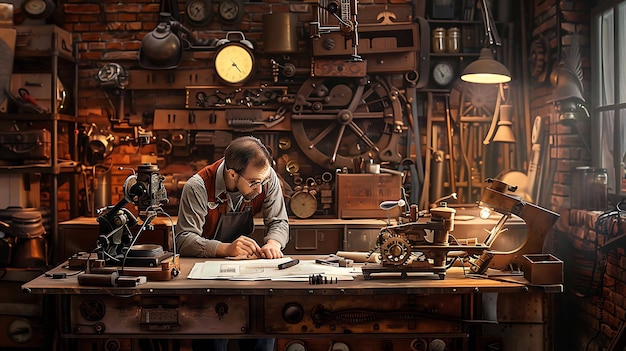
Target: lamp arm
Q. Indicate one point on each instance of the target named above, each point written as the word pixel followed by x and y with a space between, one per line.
pixel 491 32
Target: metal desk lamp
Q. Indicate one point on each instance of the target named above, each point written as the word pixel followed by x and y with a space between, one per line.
pixel 486 70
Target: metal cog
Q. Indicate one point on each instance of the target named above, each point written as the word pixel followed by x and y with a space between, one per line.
pixel 396 250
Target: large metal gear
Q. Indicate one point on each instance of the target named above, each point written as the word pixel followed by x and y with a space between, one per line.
pixel 337 120
pixel 396 250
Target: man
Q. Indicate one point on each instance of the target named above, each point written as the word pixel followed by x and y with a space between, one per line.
pixel 216 212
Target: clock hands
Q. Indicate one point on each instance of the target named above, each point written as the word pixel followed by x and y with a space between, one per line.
pixel 235 65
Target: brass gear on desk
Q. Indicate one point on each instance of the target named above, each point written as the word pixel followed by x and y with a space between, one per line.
pixel 396 250
pixel 337 120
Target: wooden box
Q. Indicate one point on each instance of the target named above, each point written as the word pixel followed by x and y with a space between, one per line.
pixel 543 269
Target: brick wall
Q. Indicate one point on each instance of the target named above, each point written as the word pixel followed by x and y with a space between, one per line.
pixel 112 32
pixel 589 313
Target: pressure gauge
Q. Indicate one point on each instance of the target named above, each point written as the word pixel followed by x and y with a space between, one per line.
pixel 443 73
pixel 303 203
pixel 234 63
pixel 38 9
pixel 199 12
pixel 231 11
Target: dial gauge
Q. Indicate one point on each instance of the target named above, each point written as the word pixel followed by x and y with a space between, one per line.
pixel 199 12
pixel 303 204
pixel 234 63
pixel 443 73
pixel 38 9
pixel 231 11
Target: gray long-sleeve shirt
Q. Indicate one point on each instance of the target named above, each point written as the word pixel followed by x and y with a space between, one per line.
pixel 194 206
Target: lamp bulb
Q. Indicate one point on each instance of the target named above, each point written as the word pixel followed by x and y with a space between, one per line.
pixel 484 213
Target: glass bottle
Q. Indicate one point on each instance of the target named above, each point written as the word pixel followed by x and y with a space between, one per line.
pixel 438 40
pixel 453 40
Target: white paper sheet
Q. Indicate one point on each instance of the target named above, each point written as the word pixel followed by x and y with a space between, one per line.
pixel 266 269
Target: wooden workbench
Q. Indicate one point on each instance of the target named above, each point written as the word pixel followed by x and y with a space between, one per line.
pixel 362 313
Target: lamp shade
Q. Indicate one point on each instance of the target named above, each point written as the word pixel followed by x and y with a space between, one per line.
pixel 486 70
pixel 161 48
pixel 504 133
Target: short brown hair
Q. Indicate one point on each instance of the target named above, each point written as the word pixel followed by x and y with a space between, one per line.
pixel 244 151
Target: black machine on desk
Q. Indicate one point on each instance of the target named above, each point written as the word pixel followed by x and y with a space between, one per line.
pixel 424 246
pixel 116 248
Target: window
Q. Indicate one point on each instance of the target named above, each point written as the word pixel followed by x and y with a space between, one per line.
pixel 608 45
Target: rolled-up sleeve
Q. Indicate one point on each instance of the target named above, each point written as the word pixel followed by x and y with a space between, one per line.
pixel 275 212
pixel 192 213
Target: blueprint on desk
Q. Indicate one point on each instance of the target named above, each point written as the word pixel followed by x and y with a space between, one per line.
pixel 267 269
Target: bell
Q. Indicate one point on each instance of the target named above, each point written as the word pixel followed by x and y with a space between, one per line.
pixel 504 131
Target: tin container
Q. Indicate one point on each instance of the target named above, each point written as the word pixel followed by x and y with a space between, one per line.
pixel 588 190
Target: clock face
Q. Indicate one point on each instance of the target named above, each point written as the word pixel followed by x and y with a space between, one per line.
pixel 443 73
pixel 234 63
pixel 231 11
pixel 199 12
pixel 303 204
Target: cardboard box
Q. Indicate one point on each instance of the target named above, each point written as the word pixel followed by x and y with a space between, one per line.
pixel 543 269
pixel 42 40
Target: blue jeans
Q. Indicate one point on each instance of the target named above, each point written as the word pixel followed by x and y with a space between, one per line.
pixel 244 344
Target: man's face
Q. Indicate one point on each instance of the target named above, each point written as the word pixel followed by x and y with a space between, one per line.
pixel 250 182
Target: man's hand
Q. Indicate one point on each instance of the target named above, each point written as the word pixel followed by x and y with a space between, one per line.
pixel 243 246
pixel 271 250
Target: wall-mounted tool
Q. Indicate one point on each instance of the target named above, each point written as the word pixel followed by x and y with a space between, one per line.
pixel 116 76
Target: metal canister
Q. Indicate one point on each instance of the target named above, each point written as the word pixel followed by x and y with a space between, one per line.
pixel 589 189
pixel 439 40
pixel 282 29
pixel 453 40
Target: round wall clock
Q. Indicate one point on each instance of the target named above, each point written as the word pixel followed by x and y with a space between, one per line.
pixel 303 204
pixel 443 73
pixel 234 63
pixel 231 11
pixel 199 12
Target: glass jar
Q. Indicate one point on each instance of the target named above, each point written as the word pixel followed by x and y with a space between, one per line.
pixel 453 40
pixel 439 40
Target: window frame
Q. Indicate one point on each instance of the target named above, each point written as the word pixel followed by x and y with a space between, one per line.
pixel 616 107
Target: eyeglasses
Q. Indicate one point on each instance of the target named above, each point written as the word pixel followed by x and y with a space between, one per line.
pixel 255 183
